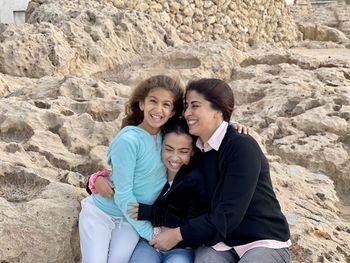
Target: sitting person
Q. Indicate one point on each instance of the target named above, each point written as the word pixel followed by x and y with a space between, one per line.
pixel 183 196
pixel 245 222
pixel 107 232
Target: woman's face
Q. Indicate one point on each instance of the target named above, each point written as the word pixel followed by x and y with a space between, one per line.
pixel 201 118
pixel 177 150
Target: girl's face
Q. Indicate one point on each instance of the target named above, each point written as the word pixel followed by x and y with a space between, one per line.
pixel 201 118
pixel 157 108
pixel 177 150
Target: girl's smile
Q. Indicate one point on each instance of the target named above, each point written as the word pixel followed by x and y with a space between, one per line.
pixel 177 150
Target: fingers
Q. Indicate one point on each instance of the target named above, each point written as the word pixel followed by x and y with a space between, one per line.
pixel 111 184
pixel 133 210
pixel 134 204
pixel 153 242
pixel 133 215
pixel 109 192
pixel 110 188
pixel 247 130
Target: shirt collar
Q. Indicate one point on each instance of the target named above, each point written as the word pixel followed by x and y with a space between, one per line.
pixel 215 140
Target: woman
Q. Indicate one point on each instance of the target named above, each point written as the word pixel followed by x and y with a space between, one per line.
pixel 245 223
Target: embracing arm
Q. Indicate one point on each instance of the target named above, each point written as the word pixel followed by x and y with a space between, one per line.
pixel 240 168
pixel 189 200
pixel 160 216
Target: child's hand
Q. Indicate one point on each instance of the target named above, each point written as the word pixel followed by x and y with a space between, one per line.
pixel 133 212
pixel 104 187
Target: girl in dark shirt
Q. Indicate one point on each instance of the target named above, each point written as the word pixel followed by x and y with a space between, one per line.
pixel 182 198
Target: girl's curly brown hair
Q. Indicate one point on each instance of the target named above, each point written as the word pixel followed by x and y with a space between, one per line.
pixel 134 115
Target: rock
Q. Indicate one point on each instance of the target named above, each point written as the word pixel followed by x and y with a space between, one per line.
pixel 67 73
pixel 322 33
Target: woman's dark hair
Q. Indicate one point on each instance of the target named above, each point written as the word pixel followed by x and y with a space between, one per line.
pixel 134 115
pixel 178 126
pixel 217 92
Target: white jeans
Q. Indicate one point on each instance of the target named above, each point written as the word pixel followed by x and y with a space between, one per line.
pixel 104 238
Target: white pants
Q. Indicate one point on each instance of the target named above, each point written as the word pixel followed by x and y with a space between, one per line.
pixel 104 238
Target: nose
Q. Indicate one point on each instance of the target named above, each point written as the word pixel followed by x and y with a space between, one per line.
pixel 159 107
pixel 174 157
pixel 187 112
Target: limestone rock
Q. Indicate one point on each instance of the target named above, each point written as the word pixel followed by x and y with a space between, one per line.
pixel 322 33
pixel 67 73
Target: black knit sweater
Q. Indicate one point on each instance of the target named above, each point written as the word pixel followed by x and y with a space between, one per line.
pixel 243 204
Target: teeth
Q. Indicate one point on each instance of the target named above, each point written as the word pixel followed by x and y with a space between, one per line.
pixel 156 117
pixel 191 122
pixel 175 165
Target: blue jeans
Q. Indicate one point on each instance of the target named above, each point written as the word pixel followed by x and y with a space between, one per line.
pixel 145 253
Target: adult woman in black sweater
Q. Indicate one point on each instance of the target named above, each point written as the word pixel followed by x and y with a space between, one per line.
pixel 245 222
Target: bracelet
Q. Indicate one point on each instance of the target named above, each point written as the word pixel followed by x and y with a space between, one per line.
pixel 93 178
pixel 156 231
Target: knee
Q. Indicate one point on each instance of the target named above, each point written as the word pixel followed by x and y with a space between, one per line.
pixel 204 254
pixel 121 259
pixel 265 255
pixel 180 258
pixel 94 259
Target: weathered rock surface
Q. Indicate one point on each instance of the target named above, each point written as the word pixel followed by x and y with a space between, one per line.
pixel 66 75
pixel 329 23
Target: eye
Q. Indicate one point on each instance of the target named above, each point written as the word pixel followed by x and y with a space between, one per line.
pixel 184 151
pixel 167 105
pixel 152 100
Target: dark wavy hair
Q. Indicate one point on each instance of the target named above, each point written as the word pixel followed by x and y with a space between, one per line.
pixel 178 126
pixel 134 115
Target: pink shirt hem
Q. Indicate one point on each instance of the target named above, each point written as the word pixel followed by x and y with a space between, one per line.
pixel 242 249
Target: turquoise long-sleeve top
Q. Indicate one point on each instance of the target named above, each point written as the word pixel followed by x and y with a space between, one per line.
pixel 138 175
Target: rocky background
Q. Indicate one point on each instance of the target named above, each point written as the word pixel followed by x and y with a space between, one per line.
pixel 66 73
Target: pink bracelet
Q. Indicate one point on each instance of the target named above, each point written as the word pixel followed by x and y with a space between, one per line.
pixel 93 178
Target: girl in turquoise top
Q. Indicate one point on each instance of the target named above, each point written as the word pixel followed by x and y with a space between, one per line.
pixel 107 232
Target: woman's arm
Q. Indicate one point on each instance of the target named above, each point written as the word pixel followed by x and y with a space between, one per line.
pixel 104 187
pixel 164 214
pixel 241 172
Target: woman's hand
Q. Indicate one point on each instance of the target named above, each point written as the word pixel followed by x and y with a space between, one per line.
pixel 104 187
pixel 166 239
pixel 134 212
pixel 241 128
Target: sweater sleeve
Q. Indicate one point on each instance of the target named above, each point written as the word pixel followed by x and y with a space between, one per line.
pixel 240 167
pixel 123 157
pixel 163 216
pixel 159 214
